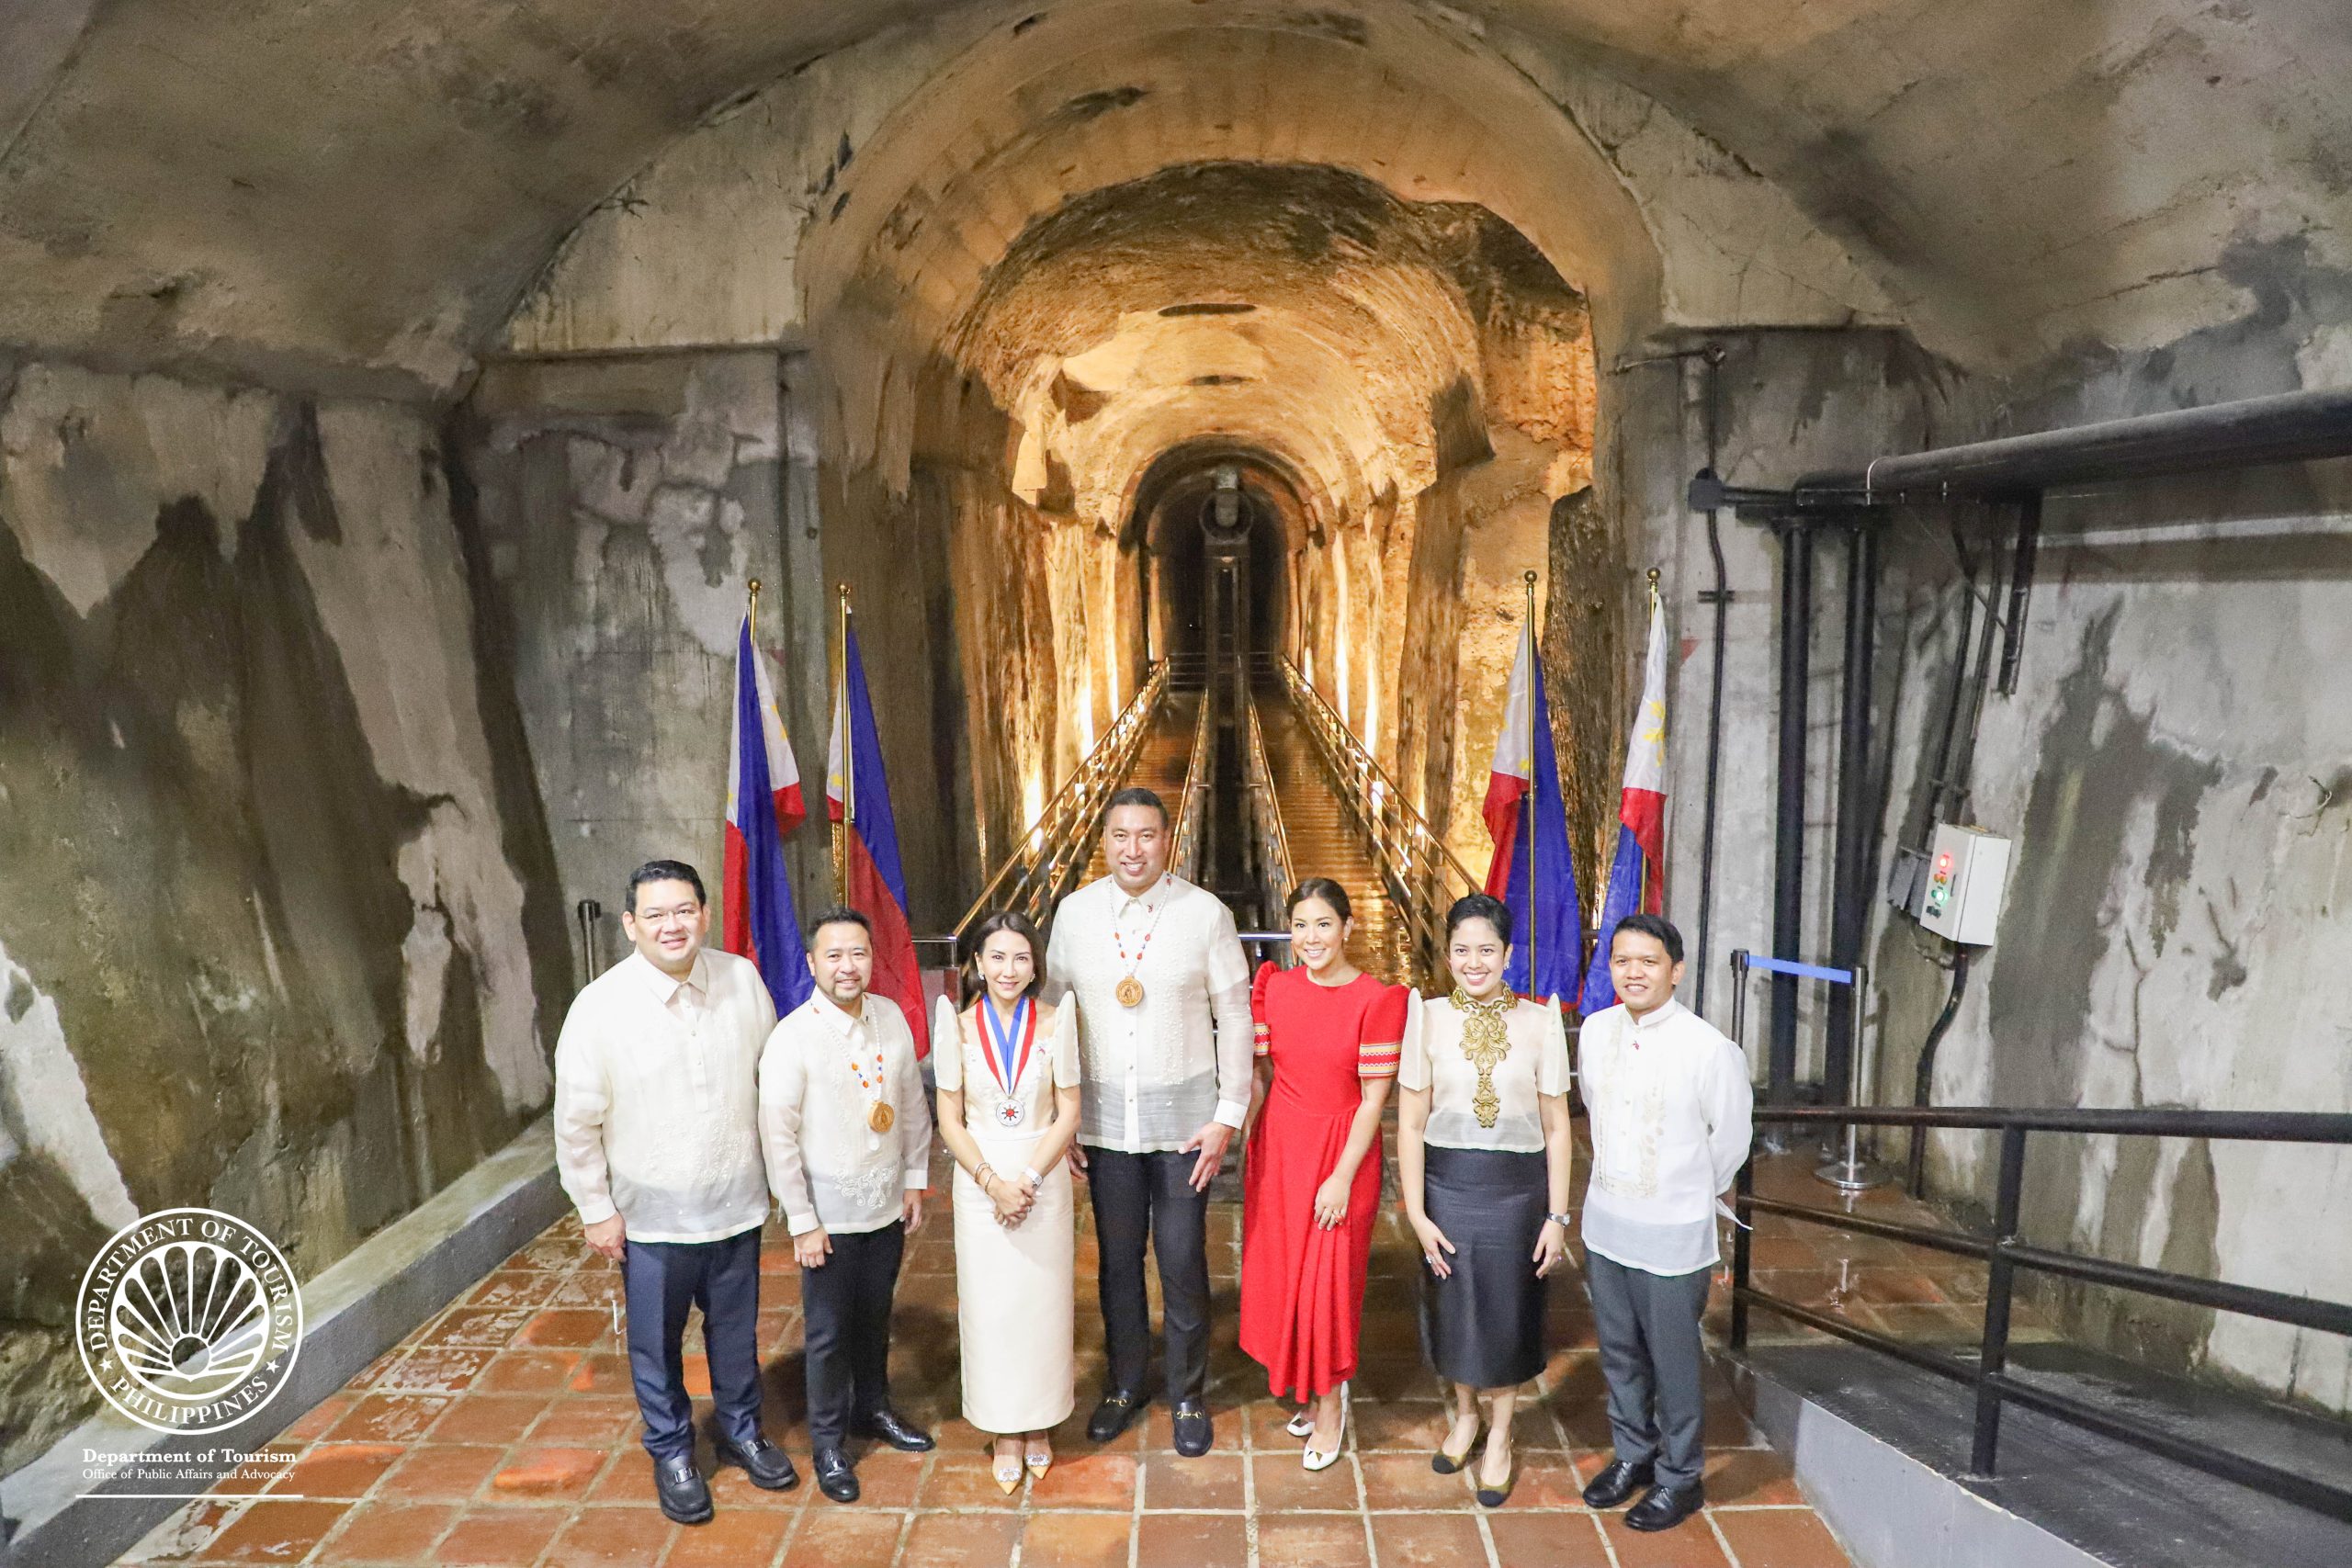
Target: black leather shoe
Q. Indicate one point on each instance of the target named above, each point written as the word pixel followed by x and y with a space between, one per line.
pixel 1619 1482
pixel 769 1466
pixel 1111 1417
pixel 679 1487
pixel 1665 1508
pixel 835 1479
pixel 888 1426
pixel 1194 1433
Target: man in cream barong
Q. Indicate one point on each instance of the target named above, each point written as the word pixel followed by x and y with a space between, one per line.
pixel 1164 1044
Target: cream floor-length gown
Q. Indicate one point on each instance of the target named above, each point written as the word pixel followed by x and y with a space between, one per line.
pixel 1015 1288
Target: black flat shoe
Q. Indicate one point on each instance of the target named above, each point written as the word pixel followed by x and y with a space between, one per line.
pixel 1111 1418
pixel 769 1466
pixel 835 1479
pixel 1620 1481
pixel 679 1487
pixel 1665 1508
pixel 888 1426
pixel 1193 1431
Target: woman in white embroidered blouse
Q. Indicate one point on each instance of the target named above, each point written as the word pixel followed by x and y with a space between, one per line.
pixel 1008 1077
pixel 1484 1150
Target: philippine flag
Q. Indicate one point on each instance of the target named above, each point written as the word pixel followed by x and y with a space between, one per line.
pixel 762 806
pixel 876 881
pixel 1637 873
pixel 1527 818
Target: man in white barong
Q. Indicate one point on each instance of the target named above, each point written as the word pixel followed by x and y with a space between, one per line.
pixel 1670 1104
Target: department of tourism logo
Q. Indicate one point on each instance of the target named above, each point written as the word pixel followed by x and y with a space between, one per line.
pixel 188 1320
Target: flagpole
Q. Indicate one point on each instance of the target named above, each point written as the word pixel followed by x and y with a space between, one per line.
pixel 755 614
pixel 1642 888
pixel 848 763
pixel 1535 722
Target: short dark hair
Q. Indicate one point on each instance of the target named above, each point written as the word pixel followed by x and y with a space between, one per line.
pixel 1655 926
pixel 838 915
pixel 1019 924
pixel 1321 887
pixel 1479 907
pixel 662 871
pixel 1135 794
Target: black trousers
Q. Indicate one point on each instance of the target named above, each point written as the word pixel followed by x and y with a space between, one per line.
pixel 1142 1199
pixel 660 1280
pixel 845 1318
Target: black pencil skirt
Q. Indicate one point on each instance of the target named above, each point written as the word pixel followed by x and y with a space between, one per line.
pixel 1483 1325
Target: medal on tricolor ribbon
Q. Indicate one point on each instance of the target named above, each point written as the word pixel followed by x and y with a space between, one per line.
pixel 1008 1054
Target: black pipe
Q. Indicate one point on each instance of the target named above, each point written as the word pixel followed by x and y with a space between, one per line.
pixel 1849 906
pixel 2289 427
pixel 1922 1078
pixel 2020 585
pixel 1940 772
pixel 1788 828
pixel 1713 358
pixel 1963 763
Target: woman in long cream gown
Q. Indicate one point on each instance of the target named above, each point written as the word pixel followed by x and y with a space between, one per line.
pixel 1006 1071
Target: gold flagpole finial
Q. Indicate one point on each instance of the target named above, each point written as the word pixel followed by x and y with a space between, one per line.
pixel 754 612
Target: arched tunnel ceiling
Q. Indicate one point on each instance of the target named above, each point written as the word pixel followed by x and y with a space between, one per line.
pixel 279 185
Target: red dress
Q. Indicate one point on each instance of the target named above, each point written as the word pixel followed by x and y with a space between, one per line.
pixel 1302 1287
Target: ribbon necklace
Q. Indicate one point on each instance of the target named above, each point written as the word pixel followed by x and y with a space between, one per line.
pixel 1019 1034
pixel 1129 990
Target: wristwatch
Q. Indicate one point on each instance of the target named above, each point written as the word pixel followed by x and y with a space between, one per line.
pixel 1565 1221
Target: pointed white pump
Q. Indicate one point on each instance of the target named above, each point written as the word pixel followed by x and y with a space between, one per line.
pixel 1314 1458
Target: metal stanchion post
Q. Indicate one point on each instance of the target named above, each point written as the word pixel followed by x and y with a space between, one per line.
pixel 1852 1173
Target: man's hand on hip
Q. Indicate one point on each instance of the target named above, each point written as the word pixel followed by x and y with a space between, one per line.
pixel 1211 1141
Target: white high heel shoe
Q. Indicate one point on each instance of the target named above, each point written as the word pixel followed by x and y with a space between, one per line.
pixel 1314 1458
pixel 1302 1423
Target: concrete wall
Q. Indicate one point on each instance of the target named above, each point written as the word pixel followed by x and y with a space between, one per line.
pixel 624 504
pixel 281 912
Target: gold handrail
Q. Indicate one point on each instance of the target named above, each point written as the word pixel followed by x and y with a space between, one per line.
pixel 1185 853
pixel 1413 854
pixel 1265 811
pixel 1045 849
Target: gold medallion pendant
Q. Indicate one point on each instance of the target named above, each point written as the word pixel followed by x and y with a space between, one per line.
pixel 1130 992
pixel 881 1116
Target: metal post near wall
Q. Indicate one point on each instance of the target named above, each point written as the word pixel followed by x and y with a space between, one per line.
pixel 1851 1172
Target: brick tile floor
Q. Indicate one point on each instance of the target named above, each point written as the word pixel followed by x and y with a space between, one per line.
pixel 501 1435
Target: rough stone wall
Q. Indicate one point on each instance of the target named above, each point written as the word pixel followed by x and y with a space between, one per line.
pixel 624 505
pixel 280 914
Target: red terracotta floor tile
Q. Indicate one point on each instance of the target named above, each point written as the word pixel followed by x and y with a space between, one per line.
pixel 960 1541
pixel 274 1532
pixel 499 1537
pixel 318 1419
pixel 1072 1540
pixel 567 1328
pixel 489 1417
pixel 963 1481
pixel 1405 1481
pixel 1779 1537
pixel 611 1538
pixel 600 1372
pixel 338 1469
pixel 1193 1540
pixel 389 1418
pixel 547 1472
pixel 1283 1486
pixel 1523 1540
pixel 1750 1477
pixel 1312 1541
pixel 435 1368
pixel 837 1537
pixel 597 1420
pixel 1212 1481
pixel 441 1471
pixel 735 1537
pixel 1428 1541
pixel 887 1479
pixel 389 1532
pixel 1688 1545
pixel 527 1372
pixel 1085 1480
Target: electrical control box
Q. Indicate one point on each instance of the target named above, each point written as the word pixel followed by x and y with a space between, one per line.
pixel 1968 869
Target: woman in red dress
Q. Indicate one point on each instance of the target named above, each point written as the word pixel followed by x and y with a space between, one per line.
pixel 1328 1039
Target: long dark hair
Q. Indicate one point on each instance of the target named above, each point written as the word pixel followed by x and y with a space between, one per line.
pixel 1322 887
pixel 1011 920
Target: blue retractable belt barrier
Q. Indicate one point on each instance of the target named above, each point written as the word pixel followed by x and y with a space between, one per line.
pixel 1804 971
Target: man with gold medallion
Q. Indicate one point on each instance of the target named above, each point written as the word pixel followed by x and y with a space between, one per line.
pixel 1165 1054
pixel 846 1128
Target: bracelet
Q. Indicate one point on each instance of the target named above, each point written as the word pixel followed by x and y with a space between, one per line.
pixel 1565 1221
pixel 981 1177
pixel 1036 1178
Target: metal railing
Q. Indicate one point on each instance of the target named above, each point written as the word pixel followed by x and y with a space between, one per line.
pixel 2005 1252
pixel 1055 847
pixel 1276 875
pixel 1184 850
pixel 1424 877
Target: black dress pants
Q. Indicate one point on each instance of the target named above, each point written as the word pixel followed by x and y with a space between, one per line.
pixel 1141 1199
pixel 845 1319
pixel 661 1280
